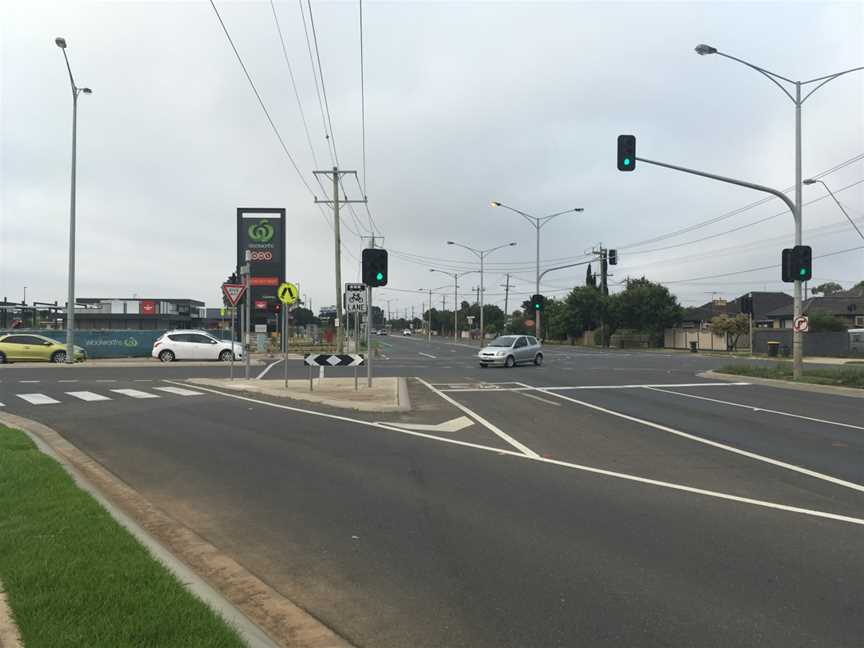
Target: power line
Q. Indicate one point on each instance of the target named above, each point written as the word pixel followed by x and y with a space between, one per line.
pixel 332 136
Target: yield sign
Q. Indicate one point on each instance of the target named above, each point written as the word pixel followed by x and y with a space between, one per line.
pixel 233 292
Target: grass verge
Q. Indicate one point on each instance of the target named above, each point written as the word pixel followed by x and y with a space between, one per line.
pixel 74 577
pixel 843 376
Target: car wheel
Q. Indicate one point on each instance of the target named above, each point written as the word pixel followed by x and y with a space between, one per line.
pixel 538 359
pixel 2 358
pixel 483 364
pixel 510 362
pixel 58 357
pixel 166 356
pixel 225 356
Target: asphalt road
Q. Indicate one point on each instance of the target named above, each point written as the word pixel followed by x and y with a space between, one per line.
pixel 603 499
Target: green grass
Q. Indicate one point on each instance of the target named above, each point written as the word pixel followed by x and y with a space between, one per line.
pixel 842 376
pixel 74 577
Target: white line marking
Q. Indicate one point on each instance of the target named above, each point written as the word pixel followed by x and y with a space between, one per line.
pixel 516 444
pixel 542 400
pixel 143 380
pixel 555 462
pixel 428 355
pixel 106 380
pixel 756 408
pixel 453 425
pixel 579 387
pixel 267 368
pixel 88 396
pixel 715 444
pixel 134 393
pixel 37 399
pixel 67 381
pixel 28 381
pixel 179 391
pixel 2 405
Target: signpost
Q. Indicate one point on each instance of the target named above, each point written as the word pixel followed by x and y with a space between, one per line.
pixel 355 302
pixel 287 294
pixel 245 271
pixel 233 293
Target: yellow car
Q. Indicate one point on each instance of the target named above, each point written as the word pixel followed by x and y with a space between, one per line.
pixel 27 347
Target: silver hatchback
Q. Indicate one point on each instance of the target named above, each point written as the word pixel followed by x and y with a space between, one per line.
pixel 510 350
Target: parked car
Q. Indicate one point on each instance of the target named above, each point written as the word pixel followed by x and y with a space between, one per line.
pixel 194 345
pixel 28 347
pixel 407 332
pixel 383 332
pixel 510 350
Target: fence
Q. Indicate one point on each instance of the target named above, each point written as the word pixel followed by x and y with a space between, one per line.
pixel 706 340
pixel 826 344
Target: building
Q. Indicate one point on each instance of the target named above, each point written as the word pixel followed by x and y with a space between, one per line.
pixel 763 304
pixel 152 314
pixel 847 306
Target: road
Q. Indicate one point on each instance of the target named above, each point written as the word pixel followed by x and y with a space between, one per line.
pixel 603 499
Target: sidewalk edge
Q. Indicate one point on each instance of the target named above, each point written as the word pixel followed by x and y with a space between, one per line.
pixel 850 392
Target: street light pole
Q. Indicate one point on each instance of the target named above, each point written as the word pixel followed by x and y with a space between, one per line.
pixel 70 305
pixel 481 254
pixel 798 100
pixel 811 181
pixel 538 222
pixel 455 276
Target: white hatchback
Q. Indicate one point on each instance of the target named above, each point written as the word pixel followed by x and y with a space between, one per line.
pixel 194 345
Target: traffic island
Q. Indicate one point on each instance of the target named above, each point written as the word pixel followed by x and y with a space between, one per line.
pixel 387 394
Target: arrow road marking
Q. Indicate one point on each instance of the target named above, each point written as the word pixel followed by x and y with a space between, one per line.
pixel 453 425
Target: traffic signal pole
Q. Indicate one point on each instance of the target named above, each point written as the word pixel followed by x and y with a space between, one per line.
pixel 797 355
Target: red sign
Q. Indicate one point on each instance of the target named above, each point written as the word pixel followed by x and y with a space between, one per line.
pixel 260 304
pixel 148 307
pixel 233 292
pixel 265 281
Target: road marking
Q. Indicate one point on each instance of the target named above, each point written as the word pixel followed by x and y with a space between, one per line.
pixel 554 462
pixel 28 381
pixel 37 399
pixel 755 408
pixel 2 405
pixel 143 380
pixel 578 387
pixel 542 400
pixel 134 393
pixel 428 355
pixel 715 444
pixel 106 380
pixel 88 396
pixel 68 381
pixel 267 368
pixel 523 448
pixel 179 391
pixel 453 425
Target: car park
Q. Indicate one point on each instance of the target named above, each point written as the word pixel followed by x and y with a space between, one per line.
pixel 510 350
pixel 194 345
pixel 29 347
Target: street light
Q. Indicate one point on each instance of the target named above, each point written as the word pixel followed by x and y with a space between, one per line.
pixel 481 254
pixel 811 181
pixel 798 100
pixel 538 222
pixel 70 306
pixel 455 276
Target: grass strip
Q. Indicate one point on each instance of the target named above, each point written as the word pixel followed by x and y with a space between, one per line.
pixel 75 577
pixel 842 376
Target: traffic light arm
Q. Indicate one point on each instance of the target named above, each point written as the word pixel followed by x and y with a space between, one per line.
pixel 740 183
pixel 569 265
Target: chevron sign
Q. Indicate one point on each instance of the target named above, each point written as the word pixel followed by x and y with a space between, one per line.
pixel 327 360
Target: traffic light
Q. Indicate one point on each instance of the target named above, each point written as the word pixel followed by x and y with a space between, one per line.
pixel 375 267
pixel 537 303
pixel 797 263
pixel 613 257
pixel 626 152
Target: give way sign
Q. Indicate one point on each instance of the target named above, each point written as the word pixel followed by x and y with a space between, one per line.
pixel 233 292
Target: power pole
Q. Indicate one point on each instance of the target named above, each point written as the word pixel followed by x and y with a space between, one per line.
pixel 601 254
pixel 337 236
pixel 506 287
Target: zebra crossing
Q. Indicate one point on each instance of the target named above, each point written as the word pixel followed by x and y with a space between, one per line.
pixel 114 394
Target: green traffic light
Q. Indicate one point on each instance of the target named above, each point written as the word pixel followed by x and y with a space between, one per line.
pixel 536 306
pixel 802 271
pixel 626 161
pixel 379 276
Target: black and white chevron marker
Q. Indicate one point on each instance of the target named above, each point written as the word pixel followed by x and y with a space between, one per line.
pixel 328 360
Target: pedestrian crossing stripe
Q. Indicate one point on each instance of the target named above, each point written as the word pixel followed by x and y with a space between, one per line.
pixel 134 393
pixel 179 391
pixel 37 399
pixel 88 396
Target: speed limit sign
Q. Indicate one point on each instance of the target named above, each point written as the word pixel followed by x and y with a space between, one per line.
pixel 801 324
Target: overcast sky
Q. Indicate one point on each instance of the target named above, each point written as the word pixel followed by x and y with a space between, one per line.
pixel 519 102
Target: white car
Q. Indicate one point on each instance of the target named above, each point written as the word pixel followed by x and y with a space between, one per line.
pixel 407 332
pixel 194 345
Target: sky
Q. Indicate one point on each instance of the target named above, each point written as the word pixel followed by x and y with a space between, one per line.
pixel 465 103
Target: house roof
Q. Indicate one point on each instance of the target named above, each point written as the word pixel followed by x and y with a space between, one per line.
pixel 850 302
pixel 763 303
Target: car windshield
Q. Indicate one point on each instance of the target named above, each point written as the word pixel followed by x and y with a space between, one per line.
pixel 504 341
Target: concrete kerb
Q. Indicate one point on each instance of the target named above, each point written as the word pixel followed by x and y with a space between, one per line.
pixel 9 635
pixel 390 394
pixel 263 617
pixel 786 384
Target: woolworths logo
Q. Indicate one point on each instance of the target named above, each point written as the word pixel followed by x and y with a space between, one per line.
pixel 261 232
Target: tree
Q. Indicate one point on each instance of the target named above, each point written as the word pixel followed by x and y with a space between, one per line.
pixel 821 322
pixel 643 306
pixel 303 316
pixel 583 309
pixel 590 280
pixel 731 326
pixel 828 288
